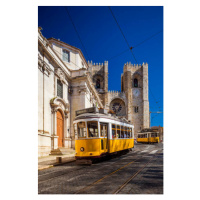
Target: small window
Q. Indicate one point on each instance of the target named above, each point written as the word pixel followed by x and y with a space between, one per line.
pixel 66 56
pixel 135 82
pixel 92 128
pixel 59 89
pixel 98 83
pixel 81 130
pixel 136 109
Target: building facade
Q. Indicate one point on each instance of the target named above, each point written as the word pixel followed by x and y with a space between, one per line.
pixel 67 82
pixel 64 86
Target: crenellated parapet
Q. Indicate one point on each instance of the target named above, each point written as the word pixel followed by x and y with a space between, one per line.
pixel 112 94
pixel 90 63
pixel 134 67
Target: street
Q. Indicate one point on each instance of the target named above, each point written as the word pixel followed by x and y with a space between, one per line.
pixel 138 172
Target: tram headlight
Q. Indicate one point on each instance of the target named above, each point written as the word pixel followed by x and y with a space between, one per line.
pixel 82 148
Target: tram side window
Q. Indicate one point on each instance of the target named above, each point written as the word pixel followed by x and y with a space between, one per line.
pixel 128 132
pixel 131 133
pixel 122 131
pixel 125 132
pixel 118 131
pixel 92 129
pixel 81 130
pixel 114 131
pixel 103 130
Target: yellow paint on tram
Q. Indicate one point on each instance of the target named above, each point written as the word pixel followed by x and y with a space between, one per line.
pixel 120 144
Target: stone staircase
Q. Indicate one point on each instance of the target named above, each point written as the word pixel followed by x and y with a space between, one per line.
pixel 62 151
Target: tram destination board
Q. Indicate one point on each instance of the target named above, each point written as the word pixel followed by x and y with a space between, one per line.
pixel 87 110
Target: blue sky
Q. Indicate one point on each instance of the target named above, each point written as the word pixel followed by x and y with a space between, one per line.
pixel 102 39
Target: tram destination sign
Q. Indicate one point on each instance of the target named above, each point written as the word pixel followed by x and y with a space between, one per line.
pixel 87 110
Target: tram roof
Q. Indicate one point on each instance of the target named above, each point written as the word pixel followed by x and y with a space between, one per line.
pixel 100 115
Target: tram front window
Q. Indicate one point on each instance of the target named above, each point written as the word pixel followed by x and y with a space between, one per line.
pixel 92 129
pixel 81 130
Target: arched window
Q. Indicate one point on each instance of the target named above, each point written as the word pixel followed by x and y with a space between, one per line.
pixel 98 83
pixel 135 82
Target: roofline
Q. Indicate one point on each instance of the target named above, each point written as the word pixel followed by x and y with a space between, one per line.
pixel 72 47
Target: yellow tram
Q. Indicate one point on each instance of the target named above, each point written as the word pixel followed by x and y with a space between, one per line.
pixel 151 137
pixel 99 134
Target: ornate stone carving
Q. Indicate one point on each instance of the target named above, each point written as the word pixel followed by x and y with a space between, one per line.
pixel 82 89
pixel 60 74
pixel 58 103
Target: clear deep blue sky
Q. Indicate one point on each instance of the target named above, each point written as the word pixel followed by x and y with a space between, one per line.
pixel 103 40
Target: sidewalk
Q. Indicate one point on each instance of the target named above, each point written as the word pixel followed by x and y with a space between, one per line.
pixel 50 161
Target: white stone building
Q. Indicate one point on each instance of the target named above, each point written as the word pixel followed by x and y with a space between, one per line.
pixel 64 86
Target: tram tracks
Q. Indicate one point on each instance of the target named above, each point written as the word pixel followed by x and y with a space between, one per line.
pixel 125 183
pixel 131 178
pixel 57 174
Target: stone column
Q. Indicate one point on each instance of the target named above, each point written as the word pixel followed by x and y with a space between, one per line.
pixel 54 137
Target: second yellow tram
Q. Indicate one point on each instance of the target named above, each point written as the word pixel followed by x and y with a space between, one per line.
pixel 152 137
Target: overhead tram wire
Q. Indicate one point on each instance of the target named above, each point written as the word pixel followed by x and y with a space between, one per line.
pixel 123 34
pixel 148 38
pixel 136 45
pixel 77 32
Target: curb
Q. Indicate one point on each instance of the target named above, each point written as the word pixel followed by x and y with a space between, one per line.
pixel 64 162
pixel 56 164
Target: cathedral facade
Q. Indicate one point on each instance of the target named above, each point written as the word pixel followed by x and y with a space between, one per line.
pixel 67 83
pixel 132 102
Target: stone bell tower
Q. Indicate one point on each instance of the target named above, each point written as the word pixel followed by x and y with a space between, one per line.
pixel 99 74
pixel 134 82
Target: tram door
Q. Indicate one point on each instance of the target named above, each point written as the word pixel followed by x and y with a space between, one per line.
pixel 104 137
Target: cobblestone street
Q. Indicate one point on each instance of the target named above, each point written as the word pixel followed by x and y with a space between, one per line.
pixel 137 172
